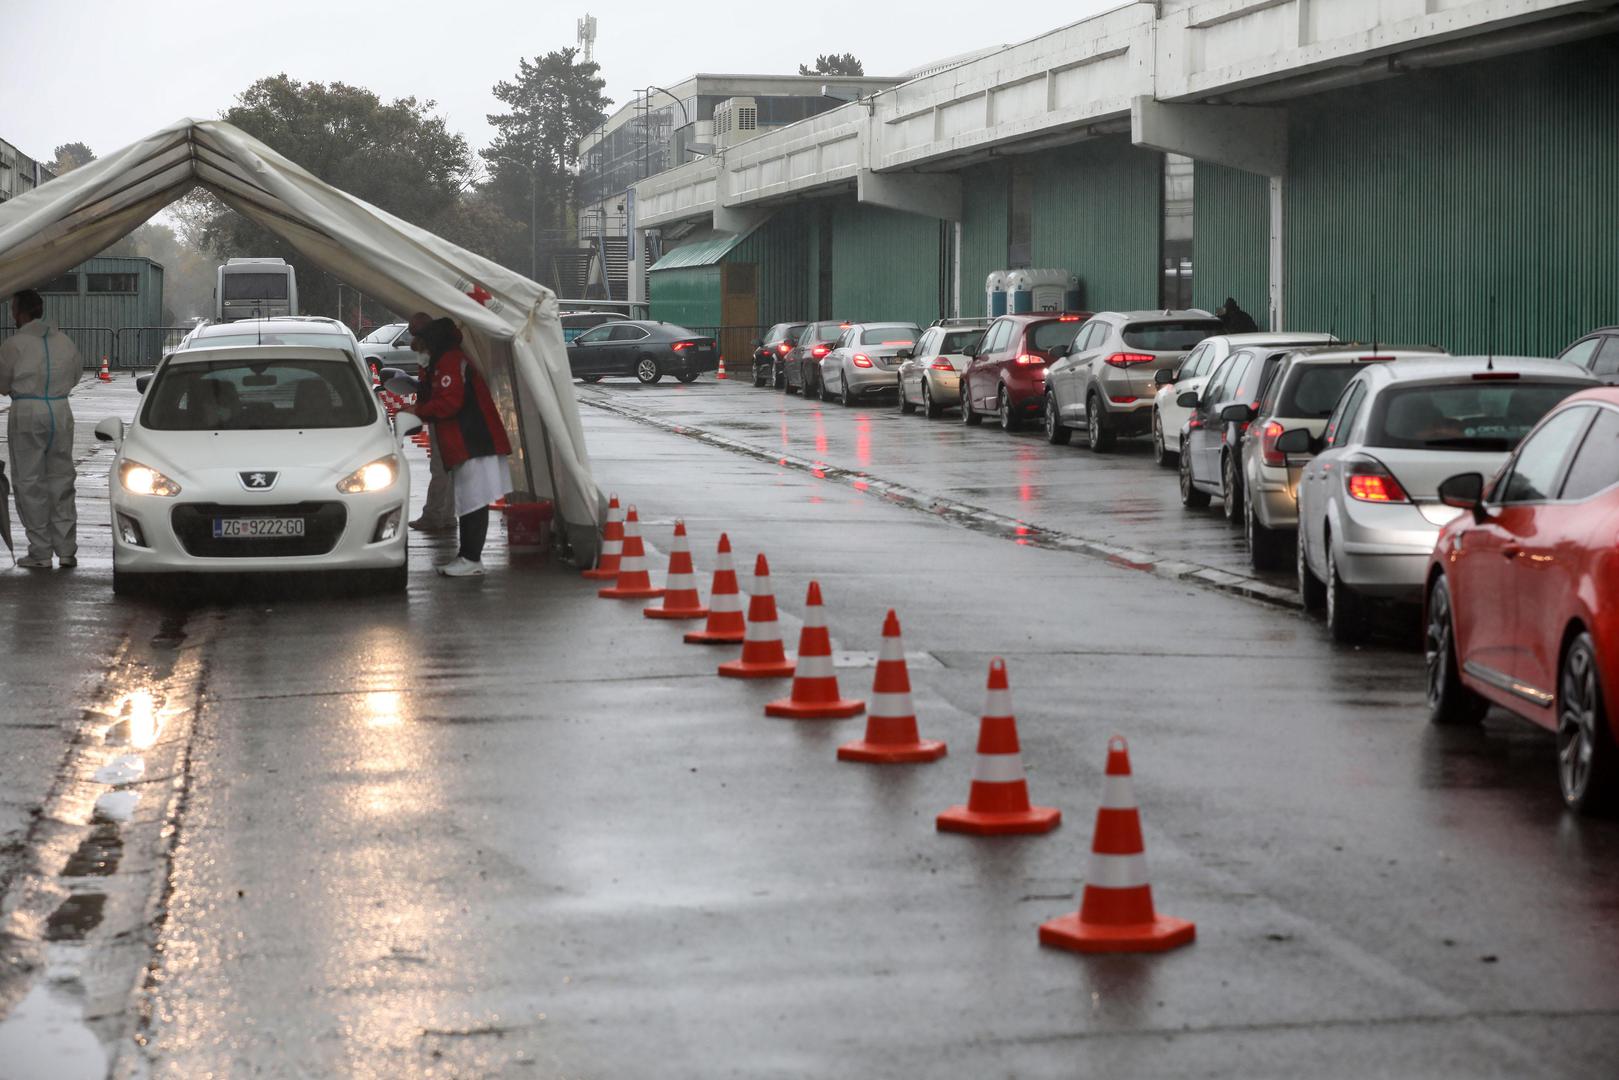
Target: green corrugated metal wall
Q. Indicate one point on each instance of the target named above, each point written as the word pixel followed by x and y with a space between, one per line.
pixel 1098 212
pixel 782 248
pixel 1231 240
pixel 984 195
pixel 1441 189
pixel 885 264
pixel 687 296
pixel 144 307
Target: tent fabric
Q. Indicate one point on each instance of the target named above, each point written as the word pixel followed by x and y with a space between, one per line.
pixel 701 252
pixel 510 324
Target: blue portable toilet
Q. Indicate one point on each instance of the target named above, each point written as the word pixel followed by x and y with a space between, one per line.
pixel 1019 292
pixel 995 293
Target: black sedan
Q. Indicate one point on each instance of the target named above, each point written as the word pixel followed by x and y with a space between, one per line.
pixel 770 353
pixel 643 348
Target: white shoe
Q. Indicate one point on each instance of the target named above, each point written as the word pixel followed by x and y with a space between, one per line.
pixel 459 567
pixel 29 562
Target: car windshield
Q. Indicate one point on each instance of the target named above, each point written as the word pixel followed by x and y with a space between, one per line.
pixel 889 335
pixel 261 394
pixel 382 335
pixel 1169 336
pixel 958 341
pixel 1313 390
pixel 1482 416
pixel 253 337
pixel 1046 336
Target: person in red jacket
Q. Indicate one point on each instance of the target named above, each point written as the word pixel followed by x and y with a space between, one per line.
pixel 471 436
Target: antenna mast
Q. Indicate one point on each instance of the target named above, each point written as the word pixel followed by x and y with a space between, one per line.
pixel 587 38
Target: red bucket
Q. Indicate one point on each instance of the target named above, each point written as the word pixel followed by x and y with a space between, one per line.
pixel 528 524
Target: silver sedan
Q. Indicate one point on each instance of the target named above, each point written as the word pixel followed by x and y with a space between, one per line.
pixel 1369 507
pixel 931 378
pixel 866 361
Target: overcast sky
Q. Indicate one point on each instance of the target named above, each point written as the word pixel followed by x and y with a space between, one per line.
pixel 106 72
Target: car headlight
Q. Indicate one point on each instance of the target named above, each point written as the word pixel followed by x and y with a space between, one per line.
pixel 379 475
pixel 141 479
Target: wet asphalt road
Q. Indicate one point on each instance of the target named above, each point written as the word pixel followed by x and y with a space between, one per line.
pixel 509 829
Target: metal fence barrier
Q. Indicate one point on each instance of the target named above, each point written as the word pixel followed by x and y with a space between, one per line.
pixel 144 346
pixel 735 343
pixel 93 342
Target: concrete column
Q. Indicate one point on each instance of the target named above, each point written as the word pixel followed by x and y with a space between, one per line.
pixel 1278 258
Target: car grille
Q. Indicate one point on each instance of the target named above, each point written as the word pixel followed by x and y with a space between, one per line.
pixel 323 525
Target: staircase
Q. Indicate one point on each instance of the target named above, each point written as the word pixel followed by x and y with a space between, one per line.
pixel 572 271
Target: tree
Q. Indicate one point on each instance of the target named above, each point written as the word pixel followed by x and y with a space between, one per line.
pixel 70 156
pixel 834 64
pixel 188 271
pixel 553 103
pixel 396 155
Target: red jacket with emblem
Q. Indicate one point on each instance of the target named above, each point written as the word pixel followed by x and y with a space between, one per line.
pixel 456 401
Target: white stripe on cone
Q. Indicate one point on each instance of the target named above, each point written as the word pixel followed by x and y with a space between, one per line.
pixel 892 649
pixel 761 630
pixel 679 582
pixel 998 768
pixel 1116 793
pixel 631 563
pixel 890 705
pixel 998 703
pixel 815 667
pixel 725 602
pixel 1117 871
pixel 815 615
pixel 612 547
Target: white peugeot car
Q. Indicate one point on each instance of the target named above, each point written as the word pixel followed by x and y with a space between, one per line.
pixel 254 459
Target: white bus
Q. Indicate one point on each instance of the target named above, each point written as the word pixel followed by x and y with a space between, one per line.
pixel 255 289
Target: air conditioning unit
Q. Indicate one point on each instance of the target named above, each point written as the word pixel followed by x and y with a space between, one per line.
pixel 736 120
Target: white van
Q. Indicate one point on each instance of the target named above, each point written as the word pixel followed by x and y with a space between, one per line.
pixel 255 289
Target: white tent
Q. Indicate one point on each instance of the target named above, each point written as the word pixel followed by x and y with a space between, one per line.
pixel 509 323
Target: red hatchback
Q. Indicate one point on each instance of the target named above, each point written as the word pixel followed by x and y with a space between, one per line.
pixel 1523 594
pixel 1006 377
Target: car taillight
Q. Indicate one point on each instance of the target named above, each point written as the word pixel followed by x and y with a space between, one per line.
pixel 1067 318
pixel 1029 358
pixel 784 348
pixel 941 364
pixel 1130 359
pixel 680 346
pixel 1369 480
pixel 1121 400
pixel 819 351
pixel 862 360
pixel 1267 444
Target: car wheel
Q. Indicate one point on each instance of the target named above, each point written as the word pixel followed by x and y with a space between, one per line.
pixel 778 377
pixel 1345 618
pixel 1265 550
pixel 1097 432
pixel 1312 593
pixel 968 416
pixel 1057 434
pixel 906 405
pixel 930 408
pixel 688 377
pixel 1231 485
pixel 646 369
pixel 820 386
pixel 1192 496
pixel 1009 420
pixel 845 398
pixel 759 377
pixel 1585 745
pixel 1449 702
pixel 1161 453
pixel 591 379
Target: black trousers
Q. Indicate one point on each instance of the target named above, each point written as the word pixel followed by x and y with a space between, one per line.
pixel 474 531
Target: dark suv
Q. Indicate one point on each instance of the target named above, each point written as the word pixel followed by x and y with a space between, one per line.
pixel 803 365
pixel 1006 376
pixel 771 351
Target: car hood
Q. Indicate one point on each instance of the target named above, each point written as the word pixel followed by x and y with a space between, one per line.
pixel 205 456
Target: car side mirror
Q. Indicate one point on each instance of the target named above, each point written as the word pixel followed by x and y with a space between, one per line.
pixel 1188 400
pixel 970 352
pixel 1061 351
pixel 1465 491
pixel 1237 414
pixel 111 430
pixel 406 424
pixel 1164 376
pixel 142 382
pixel 1295 441
pixel 904 354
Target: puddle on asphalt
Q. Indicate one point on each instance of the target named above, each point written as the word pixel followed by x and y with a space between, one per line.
pixel 140 720
pixel 45 1038
pixel 98 854
pixel 75 917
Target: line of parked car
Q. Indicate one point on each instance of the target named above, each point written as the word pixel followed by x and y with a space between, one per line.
pixel 1484 488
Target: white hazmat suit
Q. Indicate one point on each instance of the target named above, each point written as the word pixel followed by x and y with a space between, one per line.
pixel 38 367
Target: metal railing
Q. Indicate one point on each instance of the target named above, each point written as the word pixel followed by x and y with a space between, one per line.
pixel 127 348
pixel 735 342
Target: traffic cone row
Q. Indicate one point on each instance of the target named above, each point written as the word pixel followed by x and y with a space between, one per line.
pixel 1116 913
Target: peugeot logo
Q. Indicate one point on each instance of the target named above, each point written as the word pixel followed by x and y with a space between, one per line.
pixel 258 481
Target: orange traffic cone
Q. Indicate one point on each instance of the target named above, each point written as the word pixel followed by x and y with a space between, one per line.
pixel 633 582
pixel 998 803
pixel 680 599
pixel 606 568
pixel 726 626
pixel 720 374
pixel 762 654
pixel 1116 914
pixel 105 374
pixel 891 721
pixel 815 683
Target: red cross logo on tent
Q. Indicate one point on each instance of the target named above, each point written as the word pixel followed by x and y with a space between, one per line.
pixel 480 294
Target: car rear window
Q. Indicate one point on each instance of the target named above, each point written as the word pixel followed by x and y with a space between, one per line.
pixel 1171 335
pixel 892 335
pixel 258 395
pixel 1045 336
pixel 1311 390
pixel 1475 415
pixel 957 341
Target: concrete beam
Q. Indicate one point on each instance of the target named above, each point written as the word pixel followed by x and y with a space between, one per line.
pixel 1251 139
pixel 738 219
pixel 936 195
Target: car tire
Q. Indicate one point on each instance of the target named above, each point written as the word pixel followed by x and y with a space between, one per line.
pixel 591 380
pixel 968 416
pixel 930 408
pixel 906 405
pixel 1586 754
pixel 778 377
pixel 1162 454
pixel 1192 496
pixel 1231 485
pixel 1312 593
pixel 1449 701
pixel 1098 434
pixel 820 386
pixel 646 370
pixel 131 585
pixel 759 378
pixel 1346 616
pixel 845 398
pixel 1057 433
pixel 1266 548
pixel 1009 420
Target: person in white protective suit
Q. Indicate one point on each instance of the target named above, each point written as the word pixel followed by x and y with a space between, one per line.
pixel 38 367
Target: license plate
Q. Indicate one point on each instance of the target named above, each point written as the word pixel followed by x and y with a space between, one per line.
pixel 257 528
